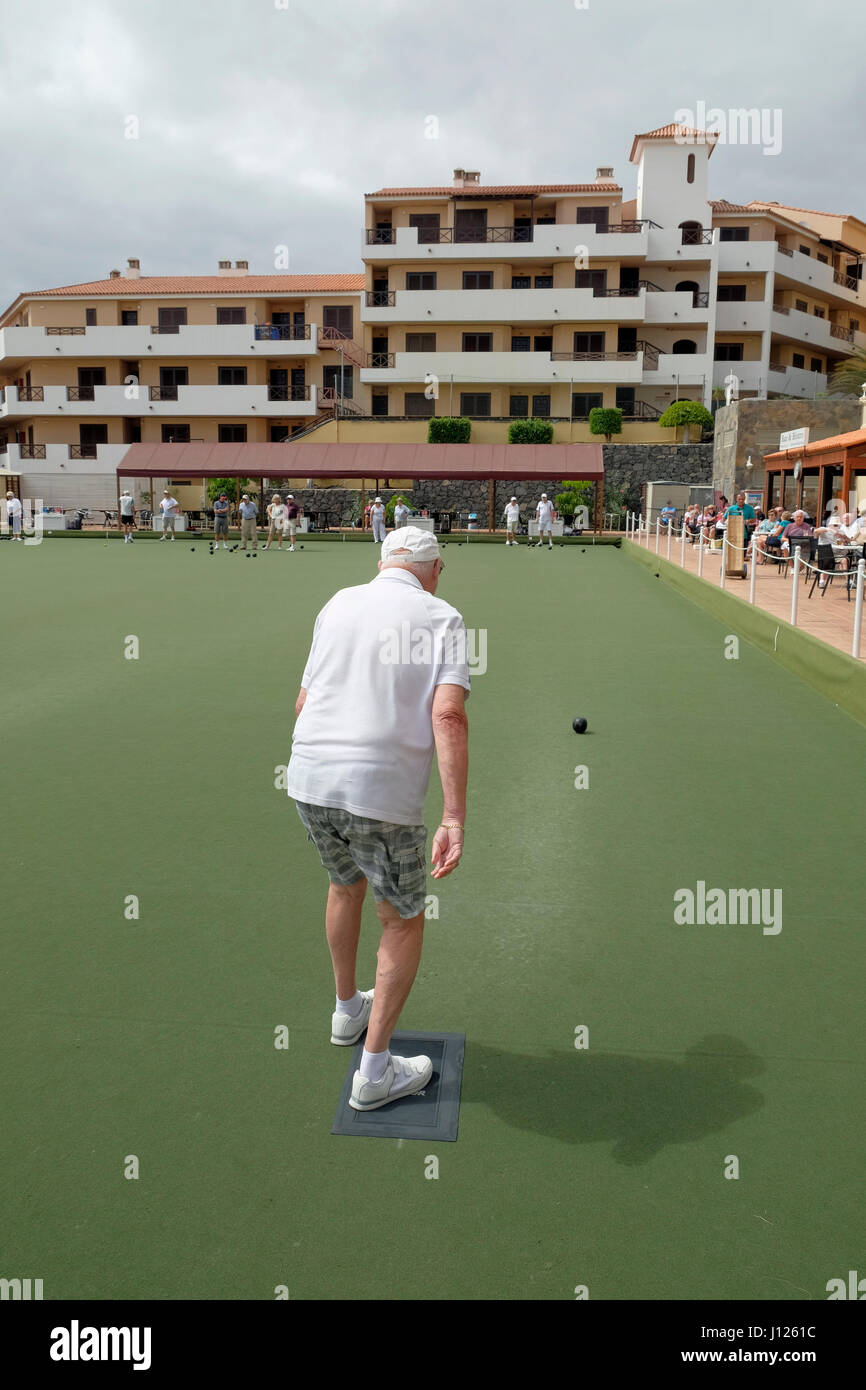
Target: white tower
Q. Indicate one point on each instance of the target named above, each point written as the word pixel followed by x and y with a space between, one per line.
pixel 672 175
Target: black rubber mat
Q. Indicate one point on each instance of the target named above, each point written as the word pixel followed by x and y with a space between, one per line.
pixel 432 1114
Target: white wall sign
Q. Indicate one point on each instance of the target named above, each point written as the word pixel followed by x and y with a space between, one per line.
pixel 794 439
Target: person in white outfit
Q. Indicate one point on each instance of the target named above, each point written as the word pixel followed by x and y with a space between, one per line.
pixel 512 518
pixel 169 508
pixel 14 512
pixel 544 513
pixel 377 516
pixel 276 521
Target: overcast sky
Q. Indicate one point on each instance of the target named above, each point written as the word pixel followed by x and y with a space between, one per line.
pixel 262 123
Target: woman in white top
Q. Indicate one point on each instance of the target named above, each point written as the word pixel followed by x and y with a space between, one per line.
pixel 276 520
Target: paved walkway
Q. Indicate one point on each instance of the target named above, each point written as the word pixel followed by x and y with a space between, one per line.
pixel 831 617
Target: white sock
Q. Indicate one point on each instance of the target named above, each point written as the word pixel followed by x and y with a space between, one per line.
pixel 374 1064
pixel 352 1007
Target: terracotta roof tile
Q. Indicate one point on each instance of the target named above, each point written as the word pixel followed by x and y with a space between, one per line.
pixel 518 189
pixel 670 132
pixel 210 285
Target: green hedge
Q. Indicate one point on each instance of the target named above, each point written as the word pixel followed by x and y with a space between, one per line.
pixel 606 421
pixel 449 429
pixel 530 431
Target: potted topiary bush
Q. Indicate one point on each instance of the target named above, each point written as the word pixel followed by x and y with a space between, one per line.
pixel 686 413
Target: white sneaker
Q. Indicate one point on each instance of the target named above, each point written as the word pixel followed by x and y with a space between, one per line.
pixel 162 538
pixel 346 1030
pixel 404 1076
pixel 291 547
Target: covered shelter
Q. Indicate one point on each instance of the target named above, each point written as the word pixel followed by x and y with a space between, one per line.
pixel 812 476
pixel 369 463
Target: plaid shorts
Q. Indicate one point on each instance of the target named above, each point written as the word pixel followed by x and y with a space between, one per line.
pixel 391 857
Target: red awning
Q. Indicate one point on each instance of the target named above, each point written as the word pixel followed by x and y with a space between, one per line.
pixel 457 461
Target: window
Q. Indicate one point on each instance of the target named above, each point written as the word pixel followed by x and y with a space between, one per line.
pixel 521 282
pixel 170 320
pixel 470 224
pixel 690 169
pixel 420 342
pixel 519 406
pixel 802 305
pixel 543 342
pixel 523 343
pixel 595 280
pixel 379 405
pixel 90 437
pixel 225 314
pixel 478 279
pixel 169 380
pixel 340 379
pixel 88 377
pixel 597 217
pixel 540 406
pixel 90 318
pixel 855 325
pixel 416 405
pixel 231 376
pixel 625 399
pixel 819 313
pixel 685 345
pixel 475 403
pixel 427 224
pixel 420 279
pixel 338 317
pixel 824 259
pixel 175 434
pixel 589 342
pixel 804 250
pixel 734 234
pixel 544 282
pixel 816 364
pixel 545 221
pixel 477 342
pixel 731 294
pixel 798 360
pixel 129 318
pixel 231 434
pixel 729 352
pixel 582 402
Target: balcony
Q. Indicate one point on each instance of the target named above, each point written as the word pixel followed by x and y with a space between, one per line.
pixel 289 393
pixel 524 368
pixel 760 379
pixel 541 306
pixel 178 402
pixel 72 458
pixel 136 342
pixel 547 242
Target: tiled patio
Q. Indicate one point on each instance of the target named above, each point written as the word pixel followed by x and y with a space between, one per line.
pixel 831 617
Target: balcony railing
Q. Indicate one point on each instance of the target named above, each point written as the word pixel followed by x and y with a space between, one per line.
pixel 640 410
pixel 778 367
pixel 847 280
pixel 31 393
pixel 293 332
pixel 622 292
pixel 381 236
pixel 651 286
pixel 650 354
pixel 781 309
pixel 163 393
pixel 82 451
pixel 593 356
pixel 381 359
pixel 697 236
pixel 701 299
pixel 288 393
pixel 846 334
pixel 785 250
pixel 167 327
pixel 32 451
pixel 632 224
pixel 81 393
pixel 72 332
pixel 381 299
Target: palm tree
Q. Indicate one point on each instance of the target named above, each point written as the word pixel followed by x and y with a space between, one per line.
pixel 849 376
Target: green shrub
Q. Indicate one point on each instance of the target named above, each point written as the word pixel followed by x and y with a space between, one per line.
pixel 530 431
pixel 686 413
pixel 390 507
pixel 606 420
pixel 449 429
pixel 232 487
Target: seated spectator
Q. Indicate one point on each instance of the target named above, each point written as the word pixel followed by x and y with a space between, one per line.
pixel 668 512
pixel 798 529
pixel 708 522
pixel 765 526
pixel 692 522
pixel 773 542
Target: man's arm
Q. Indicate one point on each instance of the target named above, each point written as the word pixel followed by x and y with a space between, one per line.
pixel 451 736
pixel 301 700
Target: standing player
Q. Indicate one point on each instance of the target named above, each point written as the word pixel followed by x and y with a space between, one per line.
pixel 544 513
pixel 276 520
pixel 293 512
pixel 249 522
pixel 377 516
pixel 127 515
pixel 512 518
pixel 170 508
pixel 221 521
pixel 13 512
pixel 401 514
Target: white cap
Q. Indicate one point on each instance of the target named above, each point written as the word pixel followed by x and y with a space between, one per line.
pixel 290 497
pixel 514 499
pixel 422 545
pixel 378 499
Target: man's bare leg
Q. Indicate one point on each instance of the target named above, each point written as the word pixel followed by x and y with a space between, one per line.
pixel 343 928
pixel 398 960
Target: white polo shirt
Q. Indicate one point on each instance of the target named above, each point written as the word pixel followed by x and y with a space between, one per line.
pixel 512 512
pixel 363 741
pixel 544 512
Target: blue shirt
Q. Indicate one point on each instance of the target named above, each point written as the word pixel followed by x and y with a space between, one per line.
pixel 247 510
